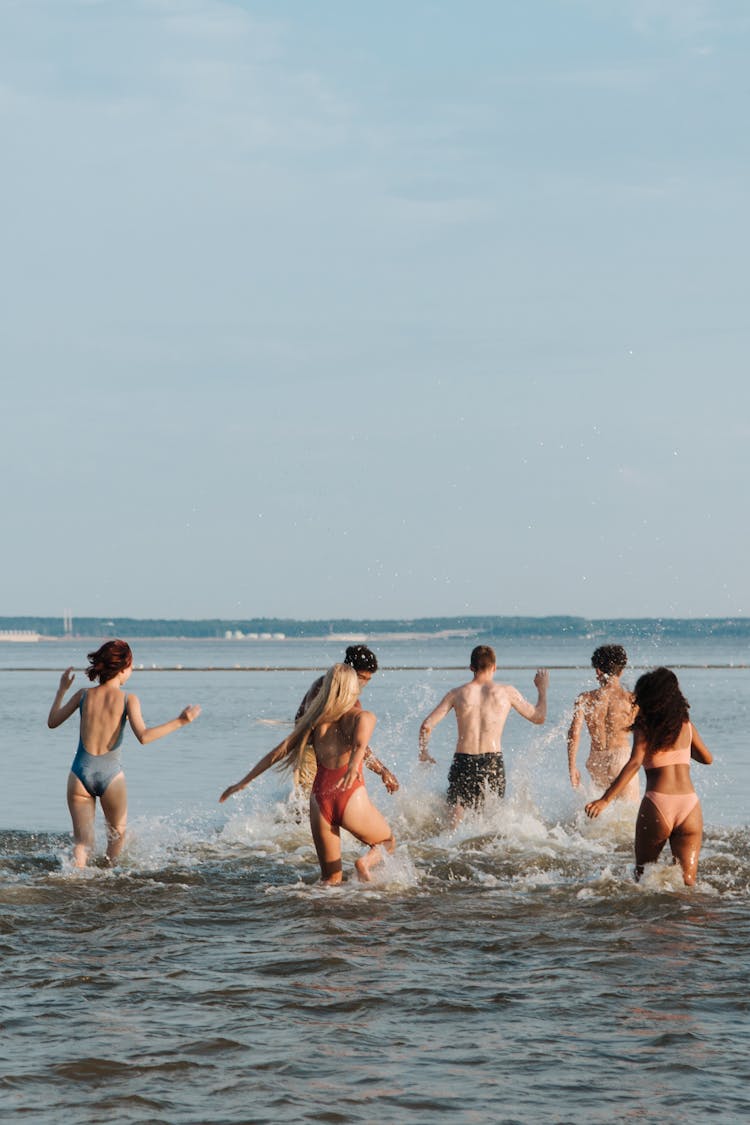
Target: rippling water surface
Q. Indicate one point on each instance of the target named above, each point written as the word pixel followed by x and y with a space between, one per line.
pixel 509 971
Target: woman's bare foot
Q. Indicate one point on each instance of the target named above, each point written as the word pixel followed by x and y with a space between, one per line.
pixel 365 862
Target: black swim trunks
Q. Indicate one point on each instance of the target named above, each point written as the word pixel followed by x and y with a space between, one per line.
pixel 472 775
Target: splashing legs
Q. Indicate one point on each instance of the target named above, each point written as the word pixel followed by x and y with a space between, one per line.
pixel 114 802
pixel 327 844
pixel 82 807
pixel 373 857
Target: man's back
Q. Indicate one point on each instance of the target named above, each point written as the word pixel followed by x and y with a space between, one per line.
pixel 481 710
pixel 608 712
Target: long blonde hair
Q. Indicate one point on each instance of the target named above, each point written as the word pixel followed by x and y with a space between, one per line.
pixel 338 694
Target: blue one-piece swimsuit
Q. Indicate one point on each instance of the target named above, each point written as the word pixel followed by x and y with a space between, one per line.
pixel 95 771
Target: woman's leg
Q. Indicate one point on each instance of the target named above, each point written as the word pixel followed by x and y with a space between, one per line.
pixel 82 808
pixel 114 802
pixel 651 834
pixel 327 845
pixel 364 821
pixel 685 843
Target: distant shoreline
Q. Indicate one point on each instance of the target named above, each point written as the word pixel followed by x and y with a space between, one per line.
pixel 25 630
pixel 334 638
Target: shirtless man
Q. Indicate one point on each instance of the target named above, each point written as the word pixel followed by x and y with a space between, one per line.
pixel 608 712
pixel 481 708
pixel 365 663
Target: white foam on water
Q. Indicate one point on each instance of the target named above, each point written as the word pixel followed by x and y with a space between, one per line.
pixel 538 835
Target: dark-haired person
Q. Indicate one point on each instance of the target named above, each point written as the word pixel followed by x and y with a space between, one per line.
pixel 96 771
pixel 365 663
pixel 608 712
pixel 481 707
pixel 664 741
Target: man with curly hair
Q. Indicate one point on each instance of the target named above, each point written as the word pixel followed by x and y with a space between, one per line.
pixel 608 712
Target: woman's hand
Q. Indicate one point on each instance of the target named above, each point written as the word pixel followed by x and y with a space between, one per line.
pixel 190 713
pixel 595 807
pixel 60 711
pixel 67 679
pixel 230 792
pixel 575 778
pixel 349 779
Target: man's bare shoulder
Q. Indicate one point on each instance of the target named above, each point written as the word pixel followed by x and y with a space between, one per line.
pixel 507 691
pixel 616 695
pixel 624 700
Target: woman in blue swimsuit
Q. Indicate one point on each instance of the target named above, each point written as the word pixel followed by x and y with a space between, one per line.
pixel 97 769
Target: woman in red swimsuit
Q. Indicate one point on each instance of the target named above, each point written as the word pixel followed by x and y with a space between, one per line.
pixel 664 741
pixel 339 731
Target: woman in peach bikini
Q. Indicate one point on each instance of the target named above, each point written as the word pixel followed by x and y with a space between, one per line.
pixel 664 741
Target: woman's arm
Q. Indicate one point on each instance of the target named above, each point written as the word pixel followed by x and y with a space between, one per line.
pixel 146 734
pixel 364 726
pixel 265 763
pixel 626 775
pixel 699 751
pixel 59 712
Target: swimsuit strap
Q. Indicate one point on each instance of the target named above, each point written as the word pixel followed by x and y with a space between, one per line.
pixel 121 731
pixel 689 746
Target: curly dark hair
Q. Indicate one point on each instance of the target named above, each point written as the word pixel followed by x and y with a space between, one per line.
pixel 662 709
pixel 361 658
pixel 609 659
pixel 107 661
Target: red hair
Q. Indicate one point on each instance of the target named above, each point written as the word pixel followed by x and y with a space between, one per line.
pixel 107 661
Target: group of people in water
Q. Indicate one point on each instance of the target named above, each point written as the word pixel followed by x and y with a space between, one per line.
pixel 330 744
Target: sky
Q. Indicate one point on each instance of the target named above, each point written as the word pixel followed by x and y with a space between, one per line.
pixel 320 309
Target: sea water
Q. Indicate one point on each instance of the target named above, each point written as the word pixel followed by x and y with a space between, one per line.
pixel 507 971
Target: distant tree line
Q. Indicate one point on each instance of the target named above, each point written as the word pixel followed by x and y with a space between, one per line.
pixel 482 626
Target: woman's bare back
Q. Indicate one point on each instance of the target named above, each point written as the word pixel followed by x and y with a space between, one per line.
pixel 101 718
pixel 334 742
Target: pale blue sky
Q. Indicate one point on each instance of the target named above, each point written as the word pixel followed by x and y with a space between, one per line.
pixel 334 309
